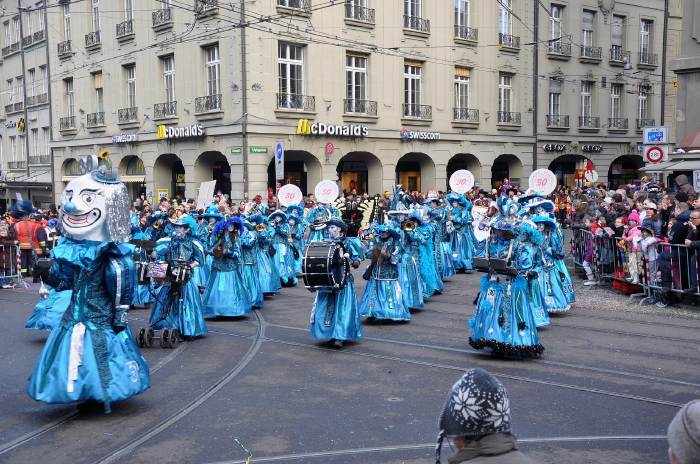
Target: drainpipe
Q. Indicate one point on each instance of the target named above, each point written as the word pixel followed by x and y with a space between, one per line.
pixel 24 90
pixel 535 81
pixel 48 91
pixel 244 103
pixel 663 63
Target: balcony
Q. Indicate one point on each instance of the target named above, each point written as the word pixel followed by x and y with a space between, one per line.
pixel 557 122
pixel 413 111
pixel 296 102
pixel 295 7
pixel 40 160
pixel 95 120
pixel 127 115
pixel 359 13
pixel 42 98
pixel 15 165
pixel 92 40
pixel 15 107
pixel 618 124
pixel 360 107
pixel 508 42
pixel 416 25
pixel 618 56
pixel 10 49
pixel 466 34
pixel 207 104
pixel 125 30
pixel 64 49
pixel 9 108
pixel 27 41
pixel 508 118
pixel 162 19
pixel 591 123
pixel 559 50
pixel 165 110
pixel 39 36
pixel 67 123
pixel 590 54
pixel 31 100
pixel 647 60
pixel 205 8
pixel 465 115
pixel 642 123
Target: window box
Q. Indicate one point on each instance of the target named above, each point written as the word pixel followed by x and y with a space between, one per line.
pixel 128 115
pixel 591 54
pixel 95 120
pixel 65 50
pixel 162 19
pixel 617 124
pixel 559 50
pixel 165 110
pixel 356 15
pixel 92 40
pixel 206 8
pixel 466 35
pixel 618 56
pixel 588 123
pixel 508 42
pixel 557 122
pixel 647 60
pixel 125 31
pixel 414 25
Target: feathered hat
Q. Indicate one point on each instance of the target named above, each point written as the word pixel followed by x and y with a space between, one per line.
pixel 222 226
pixel 456 197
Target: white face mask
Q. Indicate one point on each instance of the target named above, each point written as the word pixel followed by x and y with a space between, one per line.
pixel 180 231
pixel 84 213
pixel 334 231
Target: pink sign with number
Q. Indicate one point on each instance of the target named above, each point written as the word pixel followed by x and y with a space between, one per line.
pixel 543 181
pixel 461 181
pixel 326 191
pixel 289 195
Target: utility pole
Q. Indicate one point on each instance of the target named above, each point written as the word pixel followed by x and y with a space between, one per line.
pixel 244 103
pixel 50 100
pixel 24 89
pixel 535 79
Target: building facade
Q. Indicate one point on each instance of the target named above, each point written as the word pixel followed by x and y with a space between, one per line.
pixel 369 93
pixel 25 116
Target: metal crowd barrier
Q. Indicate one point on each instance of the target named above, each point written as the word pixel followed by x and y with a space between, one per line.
pixel 676 268
pixel 10 265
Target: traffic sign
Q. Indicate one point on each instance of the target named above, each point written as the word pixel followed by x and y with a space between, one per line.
pixel 655 154
pixel 279 161
pixel 655 135
pixel 330 148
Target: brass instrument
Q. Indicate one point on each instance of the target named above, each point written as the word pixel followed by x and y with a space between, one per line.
pixel 408 226
pixel 219 248
pixel 260 227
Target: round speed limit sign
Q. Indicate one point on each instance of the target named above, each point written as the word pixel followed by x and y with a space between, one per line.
pixel 655 154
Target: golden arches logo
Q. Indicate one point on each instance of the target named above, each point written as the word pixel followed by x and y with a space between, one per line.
pixel 162 132
pixel 303 127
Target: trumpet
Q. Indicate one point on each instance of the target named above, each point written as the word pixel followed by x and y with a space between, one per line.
pixel 260 227
pixel 408 226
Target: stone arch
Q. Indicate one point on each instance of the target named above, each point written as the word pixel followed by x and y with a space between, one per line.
pixel 569 169
pixel 624 169
pixel 300 168
pixel 213 165
pixel 416 171
pixel 133 173
pixel 507 166
pixel 463 161
pixel 169 176
pixel 70 168
pixel 360 169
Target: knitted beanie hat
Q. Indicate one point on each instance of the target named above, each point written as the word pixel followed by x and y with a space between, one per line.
pixel 634 216
pixel 684 433
pixel 478 405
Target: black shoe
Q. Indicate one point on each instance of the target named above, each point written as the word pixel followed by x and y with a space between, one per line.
pixel 337 343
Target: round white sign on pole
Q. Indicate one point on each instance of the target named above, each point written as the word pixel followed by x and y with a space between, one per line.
pixel 542 181
pixel 461 181
pixel 591 176
pixel 655 154
pixel 326 191
pixel 289 195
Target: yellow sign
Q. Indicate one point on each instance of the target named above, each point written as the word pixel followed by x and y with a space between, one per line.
pixel 162 131
pixel 21 126
pixel 674 84
pixel 304 127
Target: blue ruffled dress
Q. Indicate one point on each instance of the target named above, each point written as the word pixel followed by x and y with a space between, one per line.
pixel 284 255
pixel 410 278
pixel 180 306
pixel 91 354
pixel 335 315
pixel 297 231
pixel 536 287
pixel 556 282
pixel 432 283
pixel 226 294
pixel 268 273
pixel 143 293
pixel 249 259
pixel 462 238
pixel 383 297
pixel 443 248
pixel 48 312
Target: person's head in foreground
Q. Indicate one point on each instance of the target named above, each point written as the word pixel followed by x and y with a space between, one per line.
pixel 684 435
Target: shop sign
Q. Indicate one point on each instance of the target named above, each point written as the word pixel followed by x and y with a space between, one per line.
pixel 591 148
pixel 410 135
pixel 555 147
pixel 257 150
pixel 123 138
pixel 10 124
pixel 696 180
pixel 236 150
pixel 655 135
pixel 21 126
pixel 174 132
pixel 304 127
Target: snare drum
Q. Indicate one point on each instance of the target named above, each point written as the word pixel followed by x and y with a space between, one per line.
pixel 180 272
pixel 157 270
pixel 142 272
pixel 324 266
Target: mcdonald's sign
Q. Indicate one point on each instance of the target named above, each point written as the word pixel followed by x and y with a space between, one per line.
pixel 304 127
pixel 164 132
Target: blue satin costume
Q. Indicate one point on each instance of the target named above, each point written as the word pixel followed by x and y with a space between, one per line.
pixel 226 294
pixel 443 248
pixel 268 273
pixel 410 278
pixel 556 282
pixel 284 255
pixel 48 312
pixel 143 293
pixel 104 364
pixel 462 238
pixel 297 232
pixel 432 283
pixel 249 260
pixel 536 286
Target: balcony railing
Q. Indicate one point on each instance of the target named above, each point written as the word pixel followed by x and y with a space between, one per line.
pixel 647 58
pixel 509 41
pixel 466 33
pixel 206 7
pixel 359 13
pixel 92 39
pixel 589 122
pixel 27 41
pixel 96 119
pixel 39 36
pixel 304 5
pixel 509 117
pixel 125 28
pixel 9 108
pixel 363 107
pixel 31 100
pixel 67 123
pixel 17 164
pixel 18 106
pixel 40 159
pixel 558 121
pixel 618 55
pixel 291 101
pixel 465 115
pixel 42 98
pixel 591 53
pixel 617 123
pixel 128 114
pixel 416 23
pixel 411 110
pixel 559 48
pixel 162 18
pixel 642 123
pixel 12 48
pixel 64 48
pixel 165 110
pixel 207 103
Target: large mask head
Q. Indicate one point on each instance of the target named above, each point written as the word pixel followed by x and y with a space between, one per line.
pixel 333 231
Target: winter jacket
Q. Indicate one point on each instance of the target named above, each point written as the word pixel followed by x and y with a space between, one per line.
pixel 497 448
pixel 632 236
pixel 655 225
pixel 683 185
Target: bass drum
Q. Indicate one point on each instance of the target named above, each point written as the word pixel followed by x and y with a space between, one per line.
pixel 324 266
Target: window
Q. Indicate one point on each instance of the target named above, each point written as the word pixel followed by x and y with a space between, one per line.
pixel 43 80
pixel 587 21
pixel 213 70
pixel 412 74
pixel 461 14
pixel 356 9
pixel 290 63
pixel 34 141
pixel 95 15
pixel 169 77
pixel 99 92
pixel 555 28
pixel 643 102
pixel 130 85
pixel 461 86
pixel 586 102
pixel 10 91
pixel 39 17
pixel 6 33
pixel 166 4
pixel 31 88
pixel 128 10
pixel 27 23
pixel 505 94
pixel 22 155
pixel 618 38
pixel 15 29
pixel 13 147
pixel 645 29
pixel 412 8
pixel 66 21
pixel 616 101
pixel 555 97
pixel 69 96
pixel 356 81
pixel 505 17
pixel 19 85
pixel 46 138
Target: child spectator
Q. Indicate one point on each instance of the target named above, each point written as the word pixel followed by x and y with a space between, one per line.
pixel 649 252
pixel 632 236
